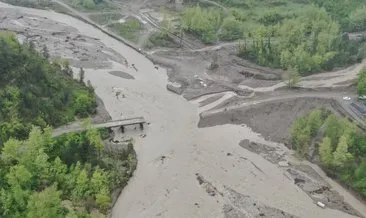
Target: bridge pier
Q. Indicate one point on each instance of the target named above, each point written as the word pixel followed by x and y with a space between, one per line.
pixel 141 126
pixel 122 129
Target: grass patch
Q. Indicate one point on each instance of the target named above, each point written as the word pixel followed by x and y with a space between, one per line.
pixel 129 30
pixel 159 39
pixel 89 5
pixel 104 19
pixel 59 8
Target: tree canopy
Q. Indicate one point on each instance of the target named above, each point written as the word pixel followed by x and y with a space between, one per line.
pixel 342 151
pixel 38 176
pixel 34 90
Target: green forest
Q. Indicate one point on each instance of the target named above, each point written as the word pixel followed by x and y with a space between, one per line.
pixel 69 176
pixel 41 176
pixel 342 150
pixel 36 91
pixel 306 35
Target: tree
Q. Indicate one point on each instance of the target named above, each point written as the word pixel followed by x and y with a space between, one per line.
pixel 81 75
pixel 300 136
pixel 95 139
pixel 19 176
pixel 292 77
pixel 45 52
pixel 45 204
pixel 326 151
pixel 333 130
pixel 357 19
pixel 360 178
pixel 315 121
pixel 103 200
pixel 231 29
pixel 166 25
pixel 361 82
pixel 89 4
pixel 341 154
pixel 58 171
pixel 202 23
pixel 99 181
pixel 82 185
pixel 82 105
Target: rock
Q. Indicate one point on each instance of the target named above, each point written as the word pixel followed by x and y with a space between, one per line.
pixel 283 164
pixel 176 89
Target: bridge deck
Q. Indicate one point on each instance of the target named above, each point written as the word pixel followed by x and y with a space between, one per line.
pixel 110 124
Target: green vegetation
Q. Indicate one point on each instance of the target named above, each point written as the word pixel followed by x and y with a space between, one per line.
pixel 304 128
pixel 159 39
pixel 34 91
pixel 307 36
pixel 347 13
pixel 291 77
pixel 129 30
pixel 93 5
pixel 40 174
pixel 72 175
pixel 361 82
pixel 202 23
pixel 342 151
pixel 104 19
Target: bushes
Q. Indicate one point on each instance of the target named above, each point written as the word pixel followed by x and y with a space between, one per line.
pixel 361 82
pixel 159 39
pixel 231 29
pixel 85 104
pixel 202 23
pixel 357 19
pixel 129 30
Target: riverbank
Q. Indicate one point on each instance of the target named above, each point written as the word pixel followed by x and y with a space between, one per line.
pixel 185 171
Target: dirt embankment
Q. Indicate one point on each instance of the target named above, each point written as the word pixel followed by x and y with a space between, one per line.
pixel 272 119
pixel 191 70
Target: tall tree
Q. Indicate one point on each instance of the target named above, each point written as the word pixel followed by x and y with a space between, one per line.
pixel 326 151
pixel 292 77
pixel 45 52
pixel 45 204
pixel 81 75
pixel 341 154
pixel 361 82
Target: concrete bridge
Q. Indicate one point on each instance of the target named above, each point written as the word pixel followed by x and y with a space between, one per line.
pixel 77 127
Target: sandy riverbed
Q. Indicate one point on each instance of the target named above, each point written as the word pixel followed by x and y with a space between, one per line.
pixel 186 171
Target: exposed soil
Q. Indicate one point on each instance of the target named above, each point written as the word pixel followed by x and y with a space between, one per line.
pixel 271 119
pixel 210 100
pixel 122 74
pixel 244 206
pixel 61 40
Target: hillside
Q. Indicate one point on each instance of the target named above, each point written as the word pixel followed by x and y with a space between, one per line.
pixel 36 91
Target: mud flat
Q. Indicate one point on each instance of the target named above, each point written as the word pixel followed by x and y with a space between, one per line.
pixel 272 119
pixel 186 171
pixel 122 74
